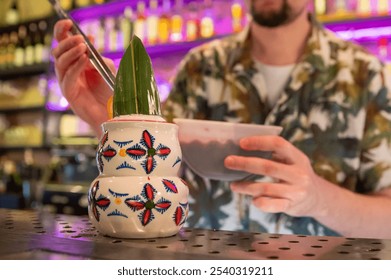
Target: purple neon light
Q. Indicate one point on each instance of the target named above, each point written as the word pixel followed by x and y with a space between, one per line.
pixel 359 23
pixel 93 12
pixel 57 101
pixel 365 33
pixel 158 50
pixel 362 29
pixel 111 8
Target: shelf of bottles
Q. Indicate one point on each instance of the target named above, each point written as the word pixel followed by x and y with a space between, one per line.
pixel 25 48
pixel 364 21
pixel 344 10
pixel 164 26
pixel 22 112
pixel 169 26
pixel 24 60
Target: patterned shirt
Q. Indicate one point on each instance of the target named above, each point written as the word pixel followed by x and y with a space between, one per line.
pixel 335 107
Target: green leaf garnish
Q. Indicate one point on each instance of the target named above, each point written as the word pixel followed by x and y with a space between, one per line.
pixel 135 90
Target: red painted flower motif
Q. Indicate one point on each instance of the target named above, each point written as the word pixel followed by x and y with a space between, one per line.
pixel 109 153
pixel 145 148
pixel 170 186
pixel 180 213
pixel 136 203
pixel 95 203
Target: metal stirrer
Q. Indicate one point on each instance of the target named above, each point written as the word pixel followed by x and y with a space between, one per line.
pixel 94 56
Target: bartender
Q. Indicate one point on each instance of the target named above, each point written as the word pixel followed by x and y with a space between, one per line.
pixel 331 168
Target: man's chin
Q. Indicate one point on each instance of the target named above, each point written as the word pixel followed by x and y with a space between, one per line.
pixel 269 22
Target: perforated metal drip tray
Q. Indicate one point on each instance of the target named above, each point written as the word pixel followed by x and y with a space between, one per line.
pixel 35 235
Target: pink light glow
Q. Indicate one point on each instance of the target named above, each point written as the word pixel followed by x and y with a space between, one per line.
pixel 365 33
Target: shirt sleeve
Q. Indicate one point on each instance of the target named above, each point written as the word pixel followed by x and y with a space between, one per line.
pixel 182 100
pixel 375 169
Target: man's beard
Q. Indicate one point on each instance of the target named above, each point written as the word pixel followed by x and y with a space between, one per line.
pixel 272 19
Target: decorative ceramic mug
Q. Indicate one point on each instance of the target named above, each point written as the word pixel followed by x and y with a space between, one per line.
pixel 138 193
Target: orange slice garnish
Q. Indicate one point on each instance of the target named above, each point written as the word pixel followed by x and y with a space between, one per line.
pixel 110 107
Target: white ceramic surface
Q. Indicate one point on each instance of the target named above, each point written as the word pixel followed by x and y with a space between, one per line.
pixel 205 145
pixel 138 206
pixel 138 193
pixel 134 146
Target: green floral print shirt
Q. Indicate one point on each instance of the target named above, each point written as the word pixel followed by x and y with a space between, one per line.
pixel 335 107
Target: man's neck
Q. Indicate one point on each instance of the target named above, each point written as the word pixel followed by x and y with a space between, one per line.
pixel 281 45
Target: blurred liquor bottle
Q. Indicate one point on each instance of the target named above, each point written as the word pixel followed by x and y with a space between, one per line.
pixel 320 7
pixel 100 35
pixel 237 16
pixel 127 26
pixel 38 41
pixel 364 7
pixel 28 44
pixel 46 37
pixel 152 23
pixel 12 15
pixel 341 7
pixel 4 39
pixel 207 23
pixel 164 23
pixel 112 34
pixel 10 49
pixel 192 23
pixel 383 7
pixel 20 47
pixel 119 35
pixel 140 22
pixel 177 22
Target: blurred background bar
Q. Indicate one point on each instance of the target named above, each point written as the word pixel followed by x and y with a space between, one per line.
pixel 47 154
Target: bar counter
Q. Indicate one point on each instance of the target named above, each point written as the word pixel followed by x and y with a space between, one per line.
pixel 35 235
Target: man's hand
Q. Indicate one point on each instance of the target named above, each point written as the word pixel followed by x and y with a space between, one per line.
pixel 81 84
pixel 296 190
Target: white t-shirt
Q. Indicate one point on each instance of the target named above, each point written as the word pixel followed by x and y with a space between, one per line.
pixel 276 78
